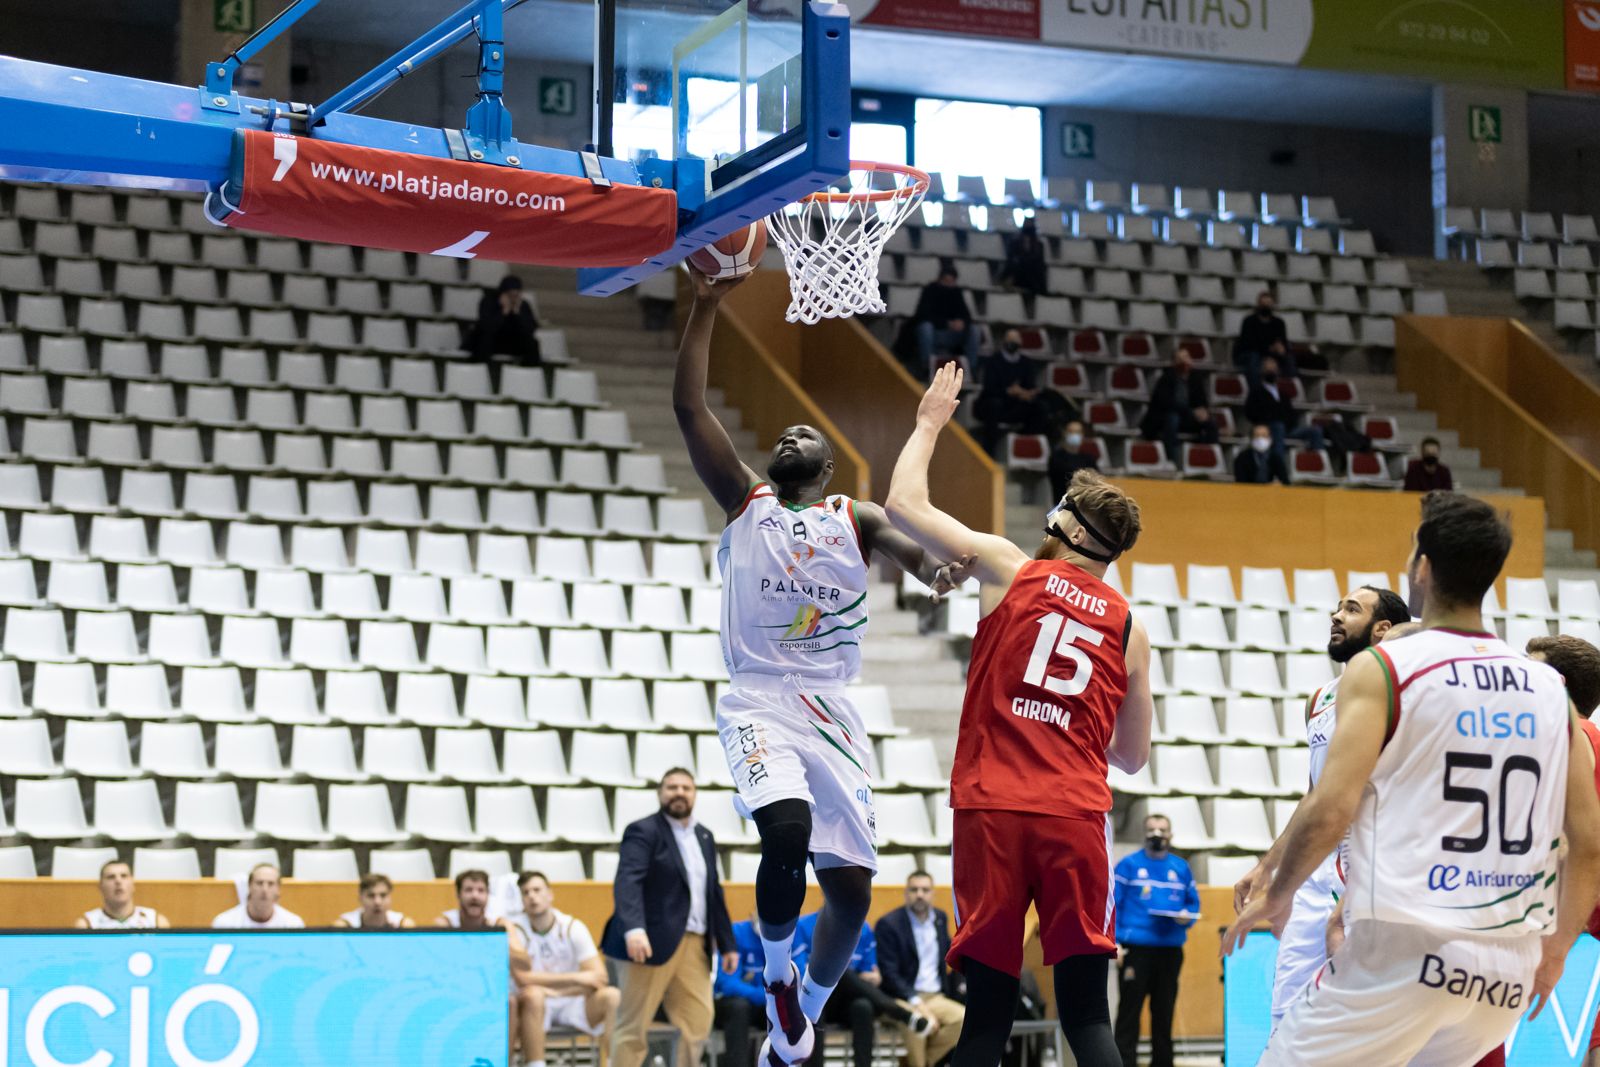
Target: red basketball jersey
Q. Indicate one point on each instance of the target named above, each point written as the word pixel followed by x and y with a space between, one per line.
pixel 1044 687
pixel 1592 732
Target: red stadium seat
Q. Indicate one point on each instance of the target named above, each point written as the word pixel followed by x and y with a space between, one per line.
pixel 1126 383
pixel 1339 394
pixel 1068 379
pixel 1149 458
pixel 1228 389
pixel 1087 344
pixel 1199 351
pixel 1108 417
pixel 1203 461
pixel 1035 342
pixel 1312 465
pixel 1226 425
pixel 1370 469
pixel 1137 347
pixel 1382 429
pixel 1027 451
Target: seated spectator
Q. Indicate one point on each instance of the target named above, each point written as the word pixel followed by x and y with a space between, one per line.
pixel 1024 268
pixel 1429 471
pixel 505 325
pixel 117 910
pixel 259 910
pixel 1267 405
pixel 1068 457
pixel 1176 400
pixel 1260 464
pixel 944 321
pixel 1260 335
pixel 741 995
pixel 1011 399
pixel 858 1001
pixel 568 985
pixel 374 913
pixel 912 944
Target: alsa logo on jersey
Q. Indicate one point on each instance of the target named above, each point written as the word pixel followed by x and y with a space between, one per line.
pixel 1447 878
pixel 1074 596
pixel 1495 677
pixel 1496 725
pixel 752 753
pixel 1460 982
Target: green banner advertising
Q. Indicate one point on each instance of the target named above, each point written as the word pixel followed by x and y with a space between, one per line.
pixel 1509 42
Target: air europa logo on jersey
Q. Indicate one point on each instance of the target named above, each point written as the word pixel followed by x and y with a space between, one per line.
pixel 1447 878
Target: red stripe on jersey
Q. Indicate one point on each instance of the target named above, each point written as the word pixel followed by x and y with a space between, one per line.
pixel 1045 684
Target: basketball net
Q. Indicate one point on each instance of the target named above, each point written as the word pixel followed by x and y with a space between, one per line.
pixel 833 240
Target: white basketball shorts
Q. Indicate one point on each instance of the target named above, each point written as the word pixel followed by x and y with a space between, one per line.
pixel 789 738
pixel 1396 993
pixel 1303 946
pixel 569 1012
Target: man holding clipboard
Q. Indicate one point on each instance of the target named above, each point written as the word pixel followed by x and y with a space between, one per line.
pixel 1157 901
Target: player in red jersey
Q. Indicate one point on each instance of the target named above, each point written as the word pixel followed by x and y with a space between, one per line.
pixel 1058 686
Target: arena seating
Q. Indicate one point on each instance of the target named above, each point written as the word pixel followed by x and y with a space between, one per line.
pixel 1131 281
pixel 1549 265
pixel 1232 670
pixel 282 572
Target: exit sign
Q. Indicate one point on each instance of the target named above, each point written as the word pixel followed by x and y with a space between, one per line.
pixel 233 16
pixel 1077 140
pixel 1485 124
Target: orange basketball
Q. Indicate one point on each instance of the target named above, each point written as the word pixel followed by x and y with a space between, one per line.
pixel 734 255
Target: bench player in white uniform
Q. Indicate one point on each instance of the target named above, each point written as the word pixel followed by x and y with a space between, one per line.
pixel 794 612
pixel 260 910
pixel 1361 620
pixel 1456 770
pixel 567 984
pixel 471 912
pixel 117 910
pixel 374 913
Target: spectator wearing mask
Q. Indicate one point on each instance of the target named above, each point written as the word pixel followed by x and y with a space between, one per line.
pixel 1429 471
pixel 1260 464
pixel 944 321
pixel 1024 268
pixel 1267 404
pixel 1263 334
pixel 1011 399
pixel 741 995
pixel 1156 903
pixel 1177 402
pixel 505 325
pixel 1069 457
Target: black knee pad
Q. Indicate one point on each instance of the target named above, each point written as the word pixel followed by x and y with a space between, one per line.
pixel 785 828
pixel 1081 991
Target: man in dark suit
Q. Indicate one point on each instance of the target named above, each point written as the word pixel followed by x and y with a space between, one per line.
pixel 668 936
pixel 912 943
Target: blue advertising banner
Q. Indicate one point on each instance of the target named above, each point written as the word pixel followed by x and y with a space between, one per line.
pixel 1558 1037
pixel 266 999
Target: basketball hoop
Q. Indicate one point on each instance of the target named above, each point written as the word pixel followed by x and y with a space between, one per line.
pixel 833 240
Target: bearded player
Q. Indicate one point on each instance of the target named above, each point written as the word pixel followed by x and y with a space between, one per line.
pixel 1361 620
pixel 1458 769
pixel 794 564
pixel 1058 686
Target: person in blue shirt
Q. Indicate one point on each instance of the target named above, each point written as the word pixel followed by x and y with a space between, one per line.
pixel 859 1000
pixel 1157 901
pixel 741 997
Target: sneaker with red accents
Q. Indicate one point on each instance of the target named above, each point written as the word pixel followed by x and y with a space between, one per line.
pixel 790 1035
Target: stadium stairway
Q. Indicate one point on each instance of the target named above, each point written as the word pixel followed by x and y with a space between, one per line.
pixel 635 367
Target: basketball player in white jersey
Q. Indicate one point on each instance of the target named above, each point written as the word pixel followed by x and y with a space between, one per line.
pixel 117 910
pixel 566 982
pixel 260 909
pixel 1361 620
pixel 794 564
pixel 374 913
pixel 1456 768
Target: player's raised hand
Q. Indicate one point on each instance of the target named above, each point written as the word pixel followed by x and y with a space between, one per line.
pixel 708 291
pixel 939 403
pixel 951 576
pixel 1552 961
pixel 1264 909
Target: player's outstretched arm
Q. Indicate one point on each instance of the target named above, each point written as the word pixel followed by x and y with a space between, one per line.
pixel 1580 874
pixel 1129 749
pixel 879 535
pixel 715 460
pixel 996 560
pixel 1327 811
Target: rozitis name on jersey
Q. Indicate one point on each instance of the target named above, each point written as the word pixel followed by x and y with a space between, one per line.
pixel 1074 596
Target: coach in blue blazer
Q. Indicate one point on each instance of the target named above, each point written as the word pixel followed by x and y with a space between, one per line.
pixel 669 921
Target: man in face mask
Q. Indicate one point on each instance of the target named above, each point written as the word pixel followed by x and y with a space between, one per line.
pixel 1259 464
pixel 1263 334
pixel 1428 472
pixel 1073 453
pixel 1010 399
pixel 1157 901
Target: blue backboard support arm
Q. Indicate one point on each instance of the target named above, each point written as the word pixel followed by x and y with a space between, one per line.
pixel 217 94
pixel 822 157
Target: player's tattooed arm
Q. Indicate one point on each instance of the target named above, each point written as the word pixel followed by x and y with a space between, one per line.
pixel 911 511
pixel 711 451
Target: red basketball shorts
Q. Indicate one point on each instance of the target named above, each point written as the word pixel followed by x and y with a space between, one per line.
pixel 1005 860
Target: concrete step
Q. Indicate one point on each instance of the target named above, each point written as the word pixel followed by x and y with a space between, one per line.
pixel 901 673
pixel 1561 554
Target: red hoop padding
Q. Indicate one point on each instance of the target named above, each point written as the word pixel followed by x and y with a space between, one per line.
pixel 324 191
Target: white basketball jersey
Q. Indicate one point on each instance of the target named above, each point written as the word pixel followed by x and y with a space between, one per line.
pixel 1460 825
pixel 560 949
pixel 794 588
pixel 1321 713
pixel 353 919
pixel 138 919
